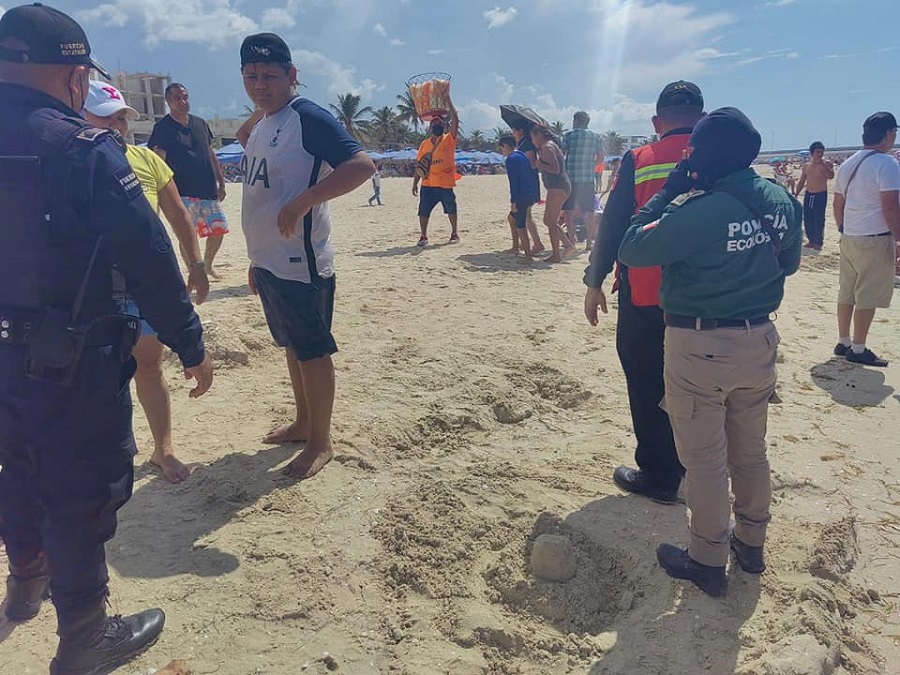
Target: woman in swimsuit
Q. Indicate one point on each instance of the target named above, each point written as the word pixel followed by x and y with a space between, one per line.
pixel 553 172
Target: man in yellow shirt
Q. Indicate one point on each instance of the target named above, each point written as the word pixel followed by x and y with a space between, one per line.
pixel 436 169
pixel 105 108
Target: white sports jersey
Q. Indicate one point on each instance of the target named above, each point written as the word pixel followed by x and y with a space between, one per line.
pixel 287 153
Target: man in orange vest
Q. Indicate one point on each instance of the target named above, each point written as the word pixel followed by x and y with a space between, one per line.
pixel 640 329
pixel 436 169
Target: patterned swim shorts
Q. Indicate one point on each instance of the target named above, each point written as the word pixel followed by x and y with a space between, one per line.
pixel 208 216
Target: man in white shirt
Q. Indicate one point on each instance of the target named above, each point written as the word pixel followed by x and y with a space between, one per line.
pixel 867 211
pixel 297 156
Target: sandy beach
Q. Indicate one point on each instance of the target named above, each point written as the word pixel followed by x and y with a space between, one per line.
pixel 477 409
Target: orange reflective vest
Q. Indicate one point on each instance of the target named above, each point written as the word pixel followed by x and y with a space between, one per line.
pixel 652 164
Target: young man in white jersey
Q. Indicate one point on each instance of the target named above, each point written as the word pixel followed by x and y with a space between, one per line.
pixel 297 156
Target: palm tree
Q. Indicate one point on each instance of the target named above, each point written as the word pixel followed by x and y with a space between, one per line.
pixel 385 127
pixel 406 110
pixel 477 140
pixel 350 114
pixel 558 128
pixel 613 144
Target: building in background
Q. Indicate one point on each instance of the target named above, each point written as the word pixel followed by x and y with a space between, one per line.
pixel 146 93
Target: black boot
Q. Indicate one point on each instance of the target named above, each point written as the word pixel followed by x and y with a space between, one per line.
pixel 97 645
pixel 677 563
pixel 750 558
pixel 26 588
pixel 636 481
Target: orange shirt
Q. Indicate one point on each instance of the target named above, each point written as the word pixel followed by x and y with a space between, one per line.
pixel 443 162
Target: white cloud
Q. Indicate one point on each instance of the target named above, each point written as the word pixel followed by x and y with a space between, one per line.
pixel 436 52
pixel 397 42
pixel 379 29
pixel 341 79
pixel 497 17
pixel 275 17
pixel 214 23
pixel 780 3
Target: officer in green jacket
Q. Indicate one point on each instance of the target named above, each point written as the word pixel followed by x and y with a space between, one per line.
pixel 726 239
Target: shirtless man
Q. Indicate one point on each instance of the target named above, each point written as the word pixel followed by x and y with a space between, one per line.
pixel 815 177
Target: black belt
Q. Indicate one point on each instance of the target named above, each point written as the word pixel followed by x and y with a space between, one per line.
pixel 698 323
pixel 17 330
pixel 880 234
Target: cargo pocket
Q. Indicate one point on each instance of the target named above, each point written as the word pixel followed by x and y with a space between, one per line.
pixel 773 338
pixel 680 406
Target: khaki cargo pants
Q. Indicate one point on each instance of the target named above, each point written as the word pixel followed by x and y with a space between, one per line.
pixel 718 384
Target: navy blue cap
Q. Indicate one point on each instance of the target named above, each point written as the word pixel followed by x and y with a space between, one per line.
pixel 50 37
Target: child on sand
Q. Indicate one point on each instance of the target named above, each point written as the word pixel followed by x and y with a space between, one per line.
pixel 521 194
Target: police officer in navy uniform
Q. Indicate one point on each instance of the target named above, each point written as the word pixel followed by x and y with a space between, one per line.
pixel 76 232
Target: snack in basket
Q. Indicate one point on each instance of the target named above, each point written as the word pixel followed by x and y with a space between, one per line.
pixel 432 97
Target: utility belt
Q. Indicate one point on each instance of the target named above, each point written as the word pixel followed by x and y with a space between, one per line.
pixel 698 323
pixel 55 345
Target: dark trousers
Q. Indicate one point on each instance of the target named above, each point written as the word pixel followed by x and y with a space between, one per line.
pixel 67 468
pixel 640 335
pixel 814 207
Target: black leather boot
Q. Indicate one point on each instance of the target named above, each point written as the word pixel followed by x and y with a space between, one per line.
pixel 98 643
pixel 637 482
pixel 26 589
pixel 750 558
pixel 677 563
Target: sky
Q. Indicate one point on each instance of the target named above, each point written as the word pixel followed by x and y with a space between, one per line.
pixel 802 70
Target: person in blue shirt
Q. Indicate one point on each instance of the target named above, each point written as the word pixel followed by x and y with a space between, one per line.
pixel 522 194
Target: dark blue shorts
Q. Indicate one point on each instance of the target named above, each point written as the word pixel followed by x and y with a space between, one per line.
pixel 520 217
pixel 299 315
pixel 429 197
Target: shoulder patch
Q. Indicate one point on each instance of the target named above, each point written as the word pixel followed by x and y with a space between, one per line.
pixel 687 196
pixel 91 134
pixel 128 182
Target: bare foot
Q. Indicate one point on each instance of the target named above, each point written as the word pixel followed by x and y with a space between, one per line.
pixel 553 259
pixel 171 467
pixel 308 462
pixel 514 251
pixel 287 433
pixel 211 272
pixel 569 252
pixel 526 260
pixel 537 249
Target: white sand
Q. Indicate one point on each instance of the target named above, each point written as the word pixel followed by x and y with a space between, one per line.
pixel 476 410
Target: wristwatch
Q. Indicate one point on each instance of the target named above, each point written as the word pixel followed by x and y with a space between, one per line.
pixel 199 265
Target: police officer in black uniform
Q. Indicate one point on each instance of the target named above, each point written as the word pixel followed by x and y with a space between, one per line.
pixel 76 231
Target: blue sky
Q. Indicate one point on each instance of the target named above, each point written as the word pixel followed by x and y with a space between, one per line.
pixel 803 70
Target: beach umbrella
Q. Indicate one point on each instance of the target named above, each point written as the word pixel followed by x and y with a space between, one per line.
pixel 376 156
pixel 230 154
pixel 510 114
pixel 802 153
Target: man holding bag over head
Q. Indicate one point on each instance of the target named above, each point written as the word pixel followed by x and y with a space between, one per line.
pixel 725 253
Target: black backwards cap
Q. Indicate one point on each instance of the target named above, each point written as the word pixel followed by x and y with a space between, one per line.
pixel 51 38
pixel 880 123
pixel 264 48
pixel 680 93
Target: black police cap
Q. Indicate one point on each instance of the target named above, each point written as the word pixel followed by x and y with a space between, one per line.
pixel 51 37
pixel 680 93
pixel 264 48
